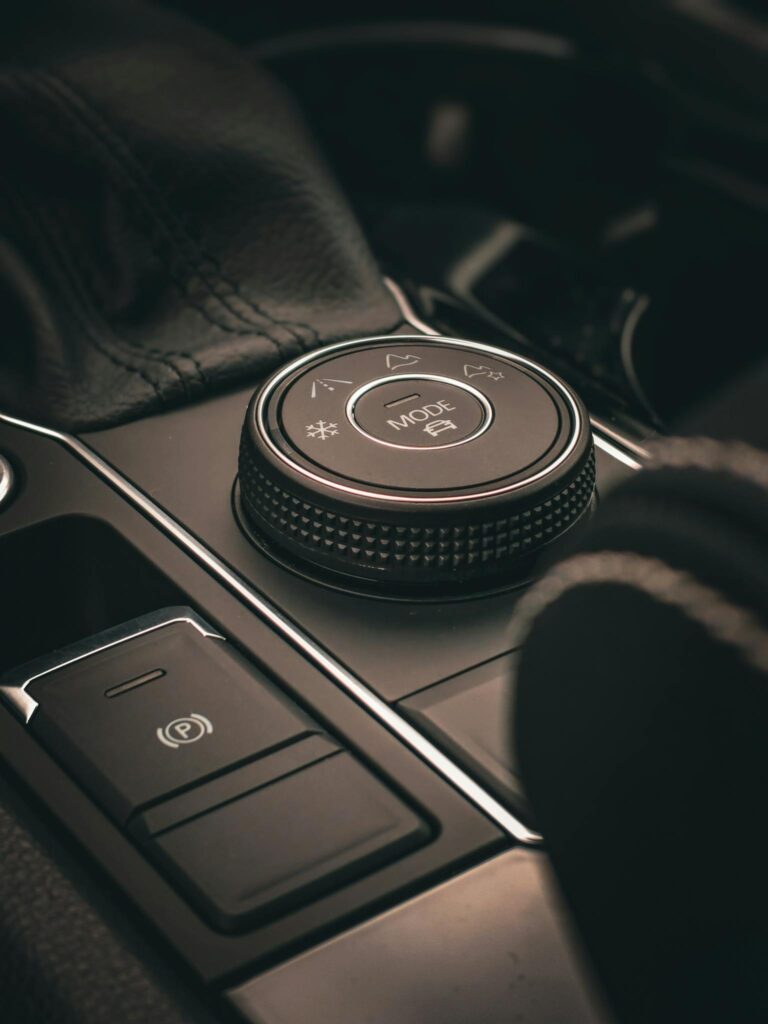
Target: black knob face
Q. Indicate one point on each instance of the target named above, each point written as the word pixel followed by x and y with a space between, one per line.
pixel 427 463
pixel 419 411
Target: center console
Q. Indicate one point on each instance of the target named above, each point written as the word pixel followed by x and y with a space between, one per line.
pixel 271 688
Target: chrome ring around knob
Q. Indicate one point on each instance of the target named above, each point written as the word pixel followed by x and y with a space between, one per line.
pixel 386 493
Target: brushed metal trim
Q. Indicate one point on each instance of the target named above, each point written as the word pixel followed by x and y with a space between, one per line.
pixel 615 451
pixel 322 659
pixel 13 690
pixel 620 440
pixel 406 309
pixel 6 480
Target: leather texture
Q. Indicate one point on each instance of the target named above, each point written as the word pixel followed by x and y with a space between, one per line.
pixel 62 958
pixel 168 228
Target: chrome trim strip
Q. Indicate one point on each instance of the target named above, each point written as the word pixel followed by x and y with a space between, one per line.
pixel 354 398
pixel 617 453
pixel 620 441
pixel 509 357
pixel 406 309
pixel 370 700
pixel 6 479
pixel 626 343
pixel 14 685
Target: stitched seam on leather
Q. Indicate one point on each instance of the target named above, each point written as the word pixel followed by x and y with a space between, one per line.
pixel 142 353
pixel 150 218
pixel 705 453
pixel 132 172
pixel 49 226
pixel 724 621
pixel 68 252
pixel 115 148
pixel 61 271
pixel 70 244
pixel 57 226
pixel 106 346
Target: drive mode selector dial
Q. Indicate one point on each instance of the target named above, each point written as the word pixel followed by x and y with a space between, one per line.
pixel 424 462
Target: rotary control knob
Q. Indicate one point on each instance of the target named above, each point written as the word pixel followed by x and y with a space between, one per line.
pixel 425 462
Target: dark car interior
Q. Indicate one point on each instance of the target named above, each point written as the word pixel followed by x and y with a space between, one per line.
pixel 384 512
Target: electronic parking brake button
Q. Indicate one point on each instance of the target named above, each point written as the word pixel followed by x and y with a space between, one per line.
pixel 239 797
pixel 138 720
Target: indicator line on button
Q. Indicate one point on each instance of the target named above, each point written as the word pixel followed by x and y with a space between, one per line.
pixel 399 401
pixel 148 677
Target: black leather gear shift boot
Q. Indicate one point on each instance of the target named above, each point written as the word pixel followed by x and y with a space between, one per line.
pixel 167 226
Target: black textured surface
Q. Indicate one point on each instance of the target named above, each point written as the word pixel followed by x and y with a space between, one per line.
pixel 640 730
pixel 62 960
pixel 425 553
pixel 169 227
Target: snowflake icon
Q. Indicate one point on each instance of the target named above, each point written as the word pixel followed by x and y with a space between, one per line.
pixel 322 430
